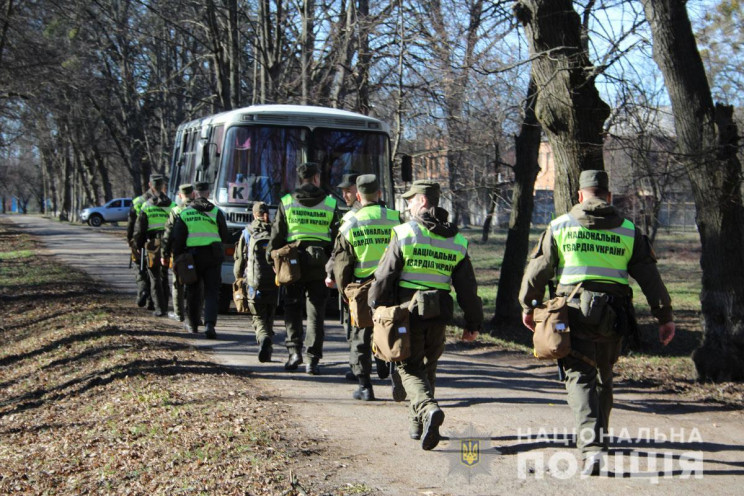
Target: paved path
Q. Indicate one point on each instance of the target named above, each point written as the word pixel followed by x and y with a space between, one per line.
pixel 498 399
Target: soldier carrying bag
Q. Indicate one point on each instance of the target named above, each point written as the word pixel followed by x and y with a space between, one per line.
pixel 552 339
pixel 287 264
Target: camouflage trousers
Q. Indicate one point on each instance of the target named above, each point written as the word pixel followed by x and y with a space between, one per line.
pixel 590 390
pixel 419 372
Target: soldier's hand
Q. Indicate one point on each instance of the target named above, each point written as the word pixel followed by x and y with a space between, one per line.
pixel 330 283
pixel 469 336
pixel 666 333
pixel 529 321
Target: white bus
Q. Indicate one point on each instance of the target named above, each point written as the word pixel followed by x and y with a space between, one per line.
pixel 251 154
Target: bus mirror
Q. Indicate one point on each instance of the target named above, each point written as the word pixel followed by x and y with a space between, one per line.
pixel 406 168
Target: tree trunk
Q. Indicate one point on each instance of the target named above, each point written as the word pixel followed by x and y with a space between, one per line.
pixel 492 196
pixel 365 58
pixel 234 54
pixel 707 143
pixel 568 105
pixel 508 311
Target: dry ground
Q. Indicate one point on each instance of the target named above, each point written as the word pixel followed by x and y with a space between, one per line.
pixel 97 399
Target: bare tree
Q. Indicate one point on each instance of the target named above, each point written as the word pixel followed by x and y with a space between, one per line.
pixel 508 311
pixel 707 146
pixel 568 104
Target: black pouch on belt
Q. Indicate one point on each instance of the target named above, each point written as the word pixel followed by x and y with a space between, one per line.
pixel 593 306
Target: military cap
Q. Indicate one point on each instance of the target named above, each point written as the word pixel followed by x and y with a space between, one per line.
pixel 348 180
pixel 307 170
pixel 157 178
pixel 367 184
pixel 594 179
pixel 259 208
pixel 186 189
pixel 423 186
pixel 201 186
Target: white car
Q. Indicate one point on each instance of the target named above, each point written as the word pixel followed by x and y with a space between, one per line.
pixel 116 210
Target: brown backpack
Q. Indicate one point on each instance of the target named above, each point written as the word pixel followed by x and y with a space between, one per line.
pixel 552 338
pixel 391 340
pixel 240 295
pixel 287 264
pixel 361 313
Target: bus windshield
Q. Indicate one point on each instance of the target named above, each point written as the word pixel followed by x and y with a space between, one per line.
pixel 340 152
pixel 259 162
pixel 255 162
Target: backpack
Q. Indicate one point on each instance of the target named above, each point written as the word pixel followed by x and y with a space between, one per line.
pixel 259 274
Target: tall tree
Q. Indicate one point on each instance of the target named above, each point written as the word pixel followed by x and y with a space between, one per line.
pixel 568 105
pixel 707 145
pixel 527 144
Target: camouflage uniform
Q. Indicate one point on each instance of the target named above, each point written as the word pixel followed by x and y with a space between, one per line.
pixel 141 278
pixel 598 345
pixel 418 372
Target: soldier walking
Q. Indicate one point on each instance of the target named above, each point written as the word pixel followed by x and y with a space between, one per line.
pixel 362 239
pixel 427 254
pixel 595 247
pixel 200 230
pixel 251 264
pixel 148 233
pixel 309 217
pixel 141 278
pixel 185 195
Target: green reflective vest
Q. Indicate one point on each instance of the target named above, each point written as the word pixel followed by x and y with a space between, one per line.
pixel 592 254
pixel 137 203
pixel 156 216
pixel 202 227
pixel 309 223
pixel 368 232
pixel 428 259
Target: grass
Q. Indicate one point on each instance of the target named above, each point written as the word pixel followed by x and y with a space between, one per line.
pixel 678 255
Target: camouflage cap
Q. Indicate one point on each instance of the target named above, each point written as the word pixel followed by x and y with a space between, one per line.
pixel 157 178
pixel 367 184
pixel 307 170
pixel 201 186
pixel 594 179
pixel 186 189
pixel 259 208
pixel 348 180
pixel 425 187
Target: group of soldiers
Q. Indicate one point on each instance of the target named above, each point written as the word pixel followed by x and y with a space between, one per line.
pixel 592 247
pixel 160 231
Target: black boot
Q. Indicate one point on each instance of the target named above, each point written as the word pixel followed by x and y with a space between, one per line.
pixel 209 331
pixel 294 360
pixel 264 353
pixel 365 392
pixel 430 435
pixel 313 368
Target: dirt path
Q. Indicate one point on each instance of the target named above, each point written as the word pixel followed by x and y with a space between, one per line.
pixel 511 405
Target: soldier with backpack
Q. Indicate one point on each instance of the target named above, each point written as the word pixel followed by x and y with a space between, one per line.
pixel 250 263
